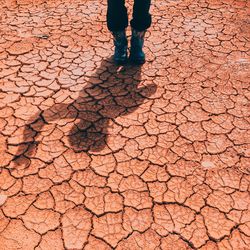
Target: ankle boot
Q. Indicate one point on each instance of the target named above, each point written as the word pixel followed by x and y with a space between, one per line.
pixel 137 55
pixel 121 47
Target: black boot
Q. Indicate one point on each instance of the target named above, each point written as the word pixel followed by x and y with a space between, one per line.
pixel 121 47
pixel 137 55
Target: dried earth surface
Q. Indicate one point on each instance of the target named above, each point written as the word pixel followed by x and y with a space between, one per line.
pixel 96 156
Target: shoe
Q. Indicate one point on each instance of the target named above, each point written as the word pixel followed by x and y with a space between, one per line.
pixel 137 55
pixel 121 47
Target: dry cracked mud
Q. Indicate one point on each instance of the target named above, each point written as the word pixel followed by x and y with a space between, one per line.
pixel 96 156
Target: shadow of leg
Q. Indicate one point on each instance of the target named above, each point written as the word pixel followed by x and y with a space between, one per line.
pixel 112 91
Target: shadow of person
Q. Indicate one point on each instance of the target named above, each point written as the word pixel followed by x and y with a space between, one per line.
pixel 112 91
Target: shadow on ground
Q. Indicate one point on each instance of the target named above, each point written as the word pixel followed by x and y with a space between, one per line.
pixel 112 91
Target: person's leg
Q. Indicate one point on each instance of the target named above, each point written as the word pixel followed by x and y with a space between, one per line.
pixel 117 22
pixel 117 18
pixel 140 23
pixel 141 16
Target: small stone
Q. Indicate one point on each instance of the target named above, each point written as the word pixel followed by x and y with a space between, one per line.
pixel 208 164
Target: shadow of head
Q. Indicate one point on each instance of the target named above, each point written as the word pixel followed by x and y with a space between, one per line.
pixel 111 91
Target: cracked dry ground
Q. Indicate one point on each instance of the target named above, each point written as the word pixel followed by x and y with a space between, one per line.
pixel 95 156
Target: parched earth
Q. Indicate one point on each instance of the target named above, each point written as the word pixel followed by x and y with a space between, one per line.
pixel 95 156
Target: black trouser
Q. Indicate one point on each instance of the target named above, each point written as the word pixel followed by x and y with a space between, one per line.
pixel 117 18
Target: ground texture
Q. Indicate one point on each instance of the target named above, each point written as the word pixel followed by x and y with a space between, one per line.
pixel 95 156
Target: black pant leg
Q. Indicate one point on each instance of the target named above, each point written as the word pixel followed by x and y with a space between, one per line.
pixel 141 17
pixel 117 17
